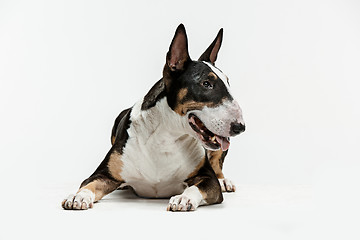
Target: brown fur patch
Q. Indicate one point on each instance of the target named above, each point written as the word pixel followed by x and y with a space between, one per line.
pixel 212 75
pixel 197 168
pixel 204 194
pixel 112 140
pixel 215 159
pixel 182 93
pixel 115 166
pixel 183 108
pixel 99 187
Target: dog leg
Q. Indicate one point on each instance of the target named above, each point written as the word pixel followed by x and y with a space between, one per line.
pixel 103 181
pixel 204 189
pixel 216 159
pixel 90 193
pixel 227 185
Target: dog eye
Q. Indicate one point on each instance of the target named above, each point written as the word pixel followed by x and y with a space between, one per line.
pixel 207 84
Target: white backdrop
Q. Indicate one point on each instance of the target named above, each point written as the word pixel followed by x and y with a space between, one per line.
pixel 67 68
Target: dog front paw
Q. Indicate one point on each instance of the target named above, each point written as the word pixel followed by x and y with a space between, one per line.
pixel 188 201
pixel 81 201
pixel 226 185
pixel 181 203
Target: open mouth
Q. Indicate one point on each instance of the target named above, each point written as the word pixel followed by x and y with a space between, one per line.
pixel 210 139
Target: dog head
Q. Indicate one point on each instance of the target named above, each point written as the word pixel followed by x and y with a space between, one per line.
pixel 200 92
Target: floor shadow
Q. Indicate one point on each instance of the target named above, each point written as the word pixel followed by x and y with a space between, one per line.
pixel 128 195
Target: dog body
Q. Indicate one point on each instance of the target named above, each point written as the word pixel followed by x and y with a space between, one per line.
pixel 173 142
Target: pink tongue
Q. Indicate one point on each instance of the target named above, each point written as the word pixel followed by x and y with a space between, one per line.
pixel 223 142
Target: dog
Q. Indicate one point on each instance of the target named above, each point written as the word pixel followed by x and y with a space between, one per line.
pixel 173 142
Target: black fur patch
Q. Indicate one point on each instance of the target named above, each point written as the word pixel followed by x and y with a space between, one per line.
pixel 116 124
pixel 156 93
pixel 121 134
pixel 193 78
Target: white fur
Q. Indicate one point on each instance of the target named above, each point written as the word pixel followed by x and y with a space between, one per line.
pixel 220 74
pixel 190 199
pixel 226 185
pixel 161 151
pixel 82 200
pixel 218 119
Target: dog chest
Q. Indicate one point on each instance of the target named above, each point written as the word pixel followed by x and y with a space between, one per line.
pixel 158 168
pixel 156 161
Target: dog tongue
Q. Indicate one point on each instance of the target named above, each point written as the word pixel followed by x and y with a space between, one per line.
pixel 223 142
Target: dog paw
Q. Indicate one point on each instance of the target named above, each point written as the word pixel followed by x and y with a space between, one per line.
pixel 81 201
pixel 188 201
pixel 226 185
pixel 181 203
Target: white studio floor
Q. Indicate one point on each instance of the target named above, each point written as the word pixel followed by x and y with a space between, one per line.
pixel 254 212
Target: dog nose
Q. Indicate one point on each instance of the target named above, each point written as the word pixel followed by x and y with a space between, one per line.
pixel 236 128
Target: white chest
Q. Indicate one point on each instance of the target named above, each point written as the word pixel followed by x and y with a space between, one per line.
pixel 156 161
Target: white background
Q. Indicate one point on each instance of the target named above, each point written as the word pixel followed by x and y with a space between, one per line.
pixel 67 68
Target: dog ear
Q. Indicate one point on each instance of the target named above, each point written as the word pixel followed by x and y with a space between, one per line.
pixel 211 52
pixel 178 53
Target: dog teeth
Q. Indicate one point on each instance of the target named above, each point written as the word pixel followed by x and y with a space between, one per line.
pixel 213 138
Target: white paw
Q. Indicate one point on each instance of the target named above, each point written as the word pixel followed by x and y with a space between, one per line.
pixel 188 201
pixel 181 203
pixel 226 185
pixel 81 201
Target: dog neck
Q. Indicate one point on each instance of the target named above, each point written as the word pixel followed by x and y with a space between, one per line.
pixel 159 123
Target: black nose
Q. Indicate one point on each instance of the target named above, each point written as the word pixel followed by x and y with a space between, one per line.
pixel 236 128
